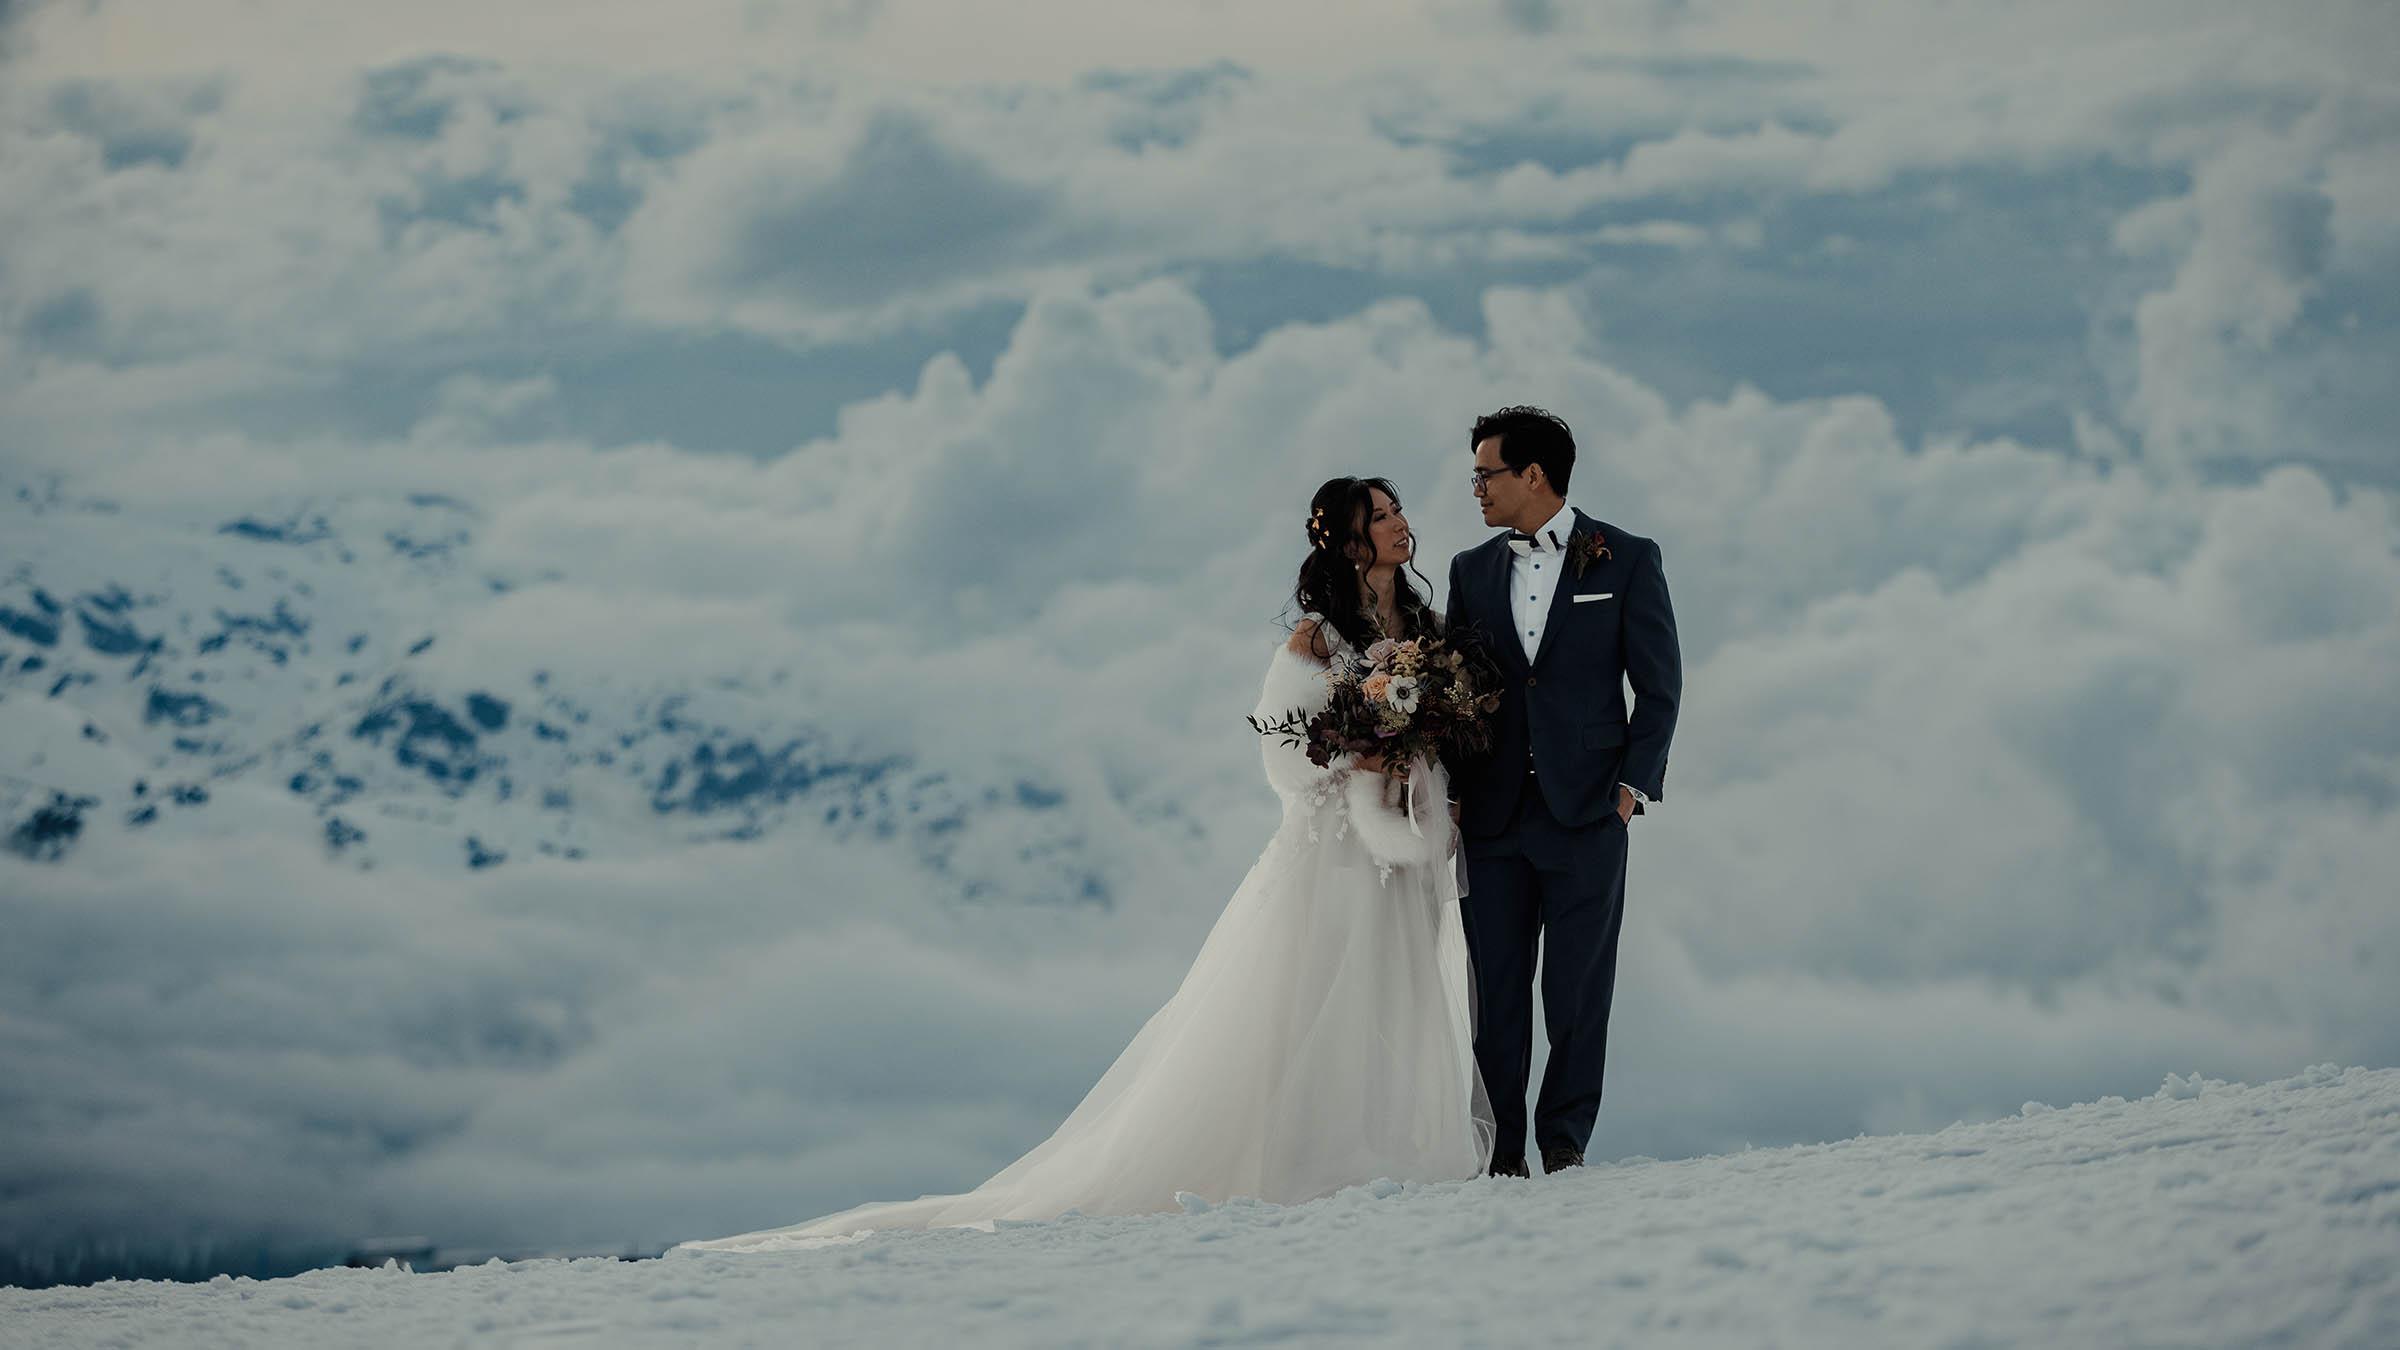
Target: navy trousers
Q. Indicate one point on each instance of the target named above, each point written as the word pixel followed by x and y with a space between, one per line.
pixel 1538 882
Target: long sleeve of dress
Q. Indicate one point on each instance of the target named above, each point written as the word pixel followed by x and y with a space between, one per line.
pixel 1398 823
pixel 1295 684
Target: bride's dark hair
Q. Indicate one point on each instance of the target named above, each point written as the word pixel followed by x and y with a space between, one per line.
pixel 1331 581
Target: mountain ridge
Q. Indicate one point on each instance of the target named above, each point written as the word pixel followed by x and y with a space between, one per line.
pixel 285 645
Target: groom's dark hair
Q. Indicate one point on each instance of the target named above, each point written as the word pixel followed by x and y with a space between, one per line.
pixel 1529 436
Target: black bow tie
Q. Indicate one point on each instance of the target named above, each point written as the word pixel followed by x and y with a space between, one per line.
pixel 1522 542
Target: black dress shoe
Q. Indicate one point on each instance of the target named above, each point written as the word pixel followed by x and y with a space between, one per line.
pixel 1507 1167
pixel 1560 1158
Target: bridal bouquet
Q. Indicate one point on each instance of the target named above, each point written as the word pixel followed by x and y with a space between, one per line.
pixel 1403 700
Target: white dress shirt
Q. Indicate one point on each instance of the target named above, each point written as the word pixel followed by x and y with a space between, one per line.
pixel 1533 577
pixel 1533 574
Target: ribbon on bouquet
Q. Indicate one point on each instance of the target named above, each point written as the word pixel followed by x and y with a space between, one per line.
pixel 1409 773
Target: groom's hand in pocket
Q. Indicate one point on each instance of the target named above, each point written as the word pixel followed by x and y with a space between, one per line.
pixel 1624 804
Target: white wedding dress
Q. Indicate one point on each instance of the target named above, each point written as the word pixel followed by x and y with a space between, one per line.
pixel 1321 1039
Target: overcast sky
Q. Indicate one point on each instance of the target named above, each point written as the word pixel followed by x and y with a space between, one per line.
pixel 2008 386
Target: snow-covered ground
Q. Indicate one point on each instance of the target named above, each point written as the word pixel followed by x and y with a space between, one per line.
pixel 2205 1214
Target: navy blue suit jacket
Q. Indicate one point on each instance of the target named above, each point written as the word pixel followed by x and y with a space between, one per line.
pixel 1565 709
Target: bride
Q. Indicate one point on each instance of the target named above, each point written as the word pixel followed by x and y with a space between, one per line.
pixel 1322 1037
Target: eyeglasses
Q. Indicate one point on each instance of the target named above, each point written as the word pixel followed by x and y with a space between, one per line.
pixel 1484 475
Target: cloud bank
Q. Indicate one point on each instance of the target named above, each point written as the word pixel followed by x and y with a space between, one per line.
pixel 2014 429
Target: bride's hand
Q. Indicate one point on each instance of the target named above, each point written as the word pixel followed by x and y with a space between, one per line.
pixel 1377 764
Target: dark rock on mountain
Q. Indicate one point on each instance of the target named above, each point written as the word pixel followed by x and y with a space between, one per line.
pixel 52 829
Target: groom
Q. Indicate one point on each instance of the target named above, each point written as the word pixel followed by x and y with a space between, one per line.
pixel 1571 610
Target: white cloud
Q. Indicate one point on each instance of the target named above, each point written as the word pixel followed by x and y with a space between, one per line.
pixel 1997 771
pixel 2222 369
pixel 485 204
pixel 2010 767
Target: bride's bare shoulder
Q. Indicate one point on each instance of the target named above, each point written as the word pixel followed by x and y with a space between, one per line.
pixel 1308 639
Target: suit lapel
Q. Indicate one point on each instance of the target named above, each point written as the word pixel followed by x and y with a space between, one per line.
pixel 1496 586
pixel 1558 595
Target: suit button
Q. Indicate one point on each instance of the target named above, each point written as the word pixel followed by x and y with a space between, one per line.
pixel 1530 682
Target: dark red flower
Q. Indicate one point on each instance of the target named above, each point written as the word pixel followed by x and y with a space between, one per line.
pixel 1583 548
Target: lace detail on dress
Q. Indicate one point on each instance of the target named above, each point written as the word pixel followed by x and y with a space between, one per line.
pixel 1340 646
pixel 1335 643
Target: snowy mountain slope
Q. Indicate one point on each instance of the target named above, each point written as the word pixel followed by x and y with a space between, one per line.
pixel 147 664
pixel 2206 1214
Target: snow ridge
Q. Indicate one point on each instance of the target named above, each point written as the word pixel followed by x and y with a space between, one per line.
pixel 2208 1213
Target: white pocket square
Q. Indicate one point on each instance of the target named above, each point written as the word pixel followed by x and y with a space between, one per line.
pixel 1604 595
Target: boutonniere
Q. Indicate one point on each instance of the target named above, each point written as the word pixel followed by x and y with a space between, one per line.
pixel 1583 548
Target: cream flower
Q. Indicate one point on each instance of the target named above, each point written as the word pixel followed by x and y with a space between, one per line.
pixel 1404 693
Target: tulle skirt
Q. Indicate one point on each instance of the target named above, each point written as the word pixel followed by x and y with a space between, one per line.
pixel 1322 1038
